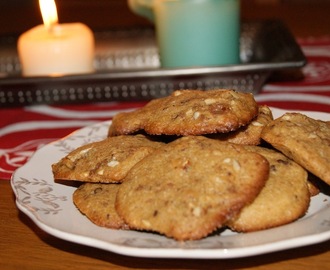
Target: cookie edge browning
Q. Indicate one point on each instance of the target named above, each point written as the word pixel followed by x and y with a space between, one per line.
pixel 66 168
pixel 245 221
pixel 249 134
pixel 174 230
pixel 279 140
pixel 142 117
pixel 86 204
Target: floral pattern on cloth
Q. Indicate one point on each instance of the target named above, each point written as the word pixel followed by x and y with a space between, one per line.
pixel 26 129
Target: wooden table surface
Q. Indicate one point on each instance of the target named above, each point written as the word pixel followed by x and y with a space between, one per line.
pixel 24 246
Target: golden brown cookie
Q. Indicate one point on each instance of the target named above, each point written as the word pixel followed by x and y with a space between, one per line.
pixel 189 112
pixel 284 198
pixel 106 161
pixel 303 139
pixel 251 133
pixel 97 202
pixel 190 187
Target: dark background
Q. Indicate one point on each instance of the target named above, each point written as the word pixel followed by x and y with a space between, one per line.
pixel 304 17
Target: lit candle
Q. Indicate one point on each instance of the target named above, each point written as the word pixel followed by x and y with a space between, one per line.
pixel 56 49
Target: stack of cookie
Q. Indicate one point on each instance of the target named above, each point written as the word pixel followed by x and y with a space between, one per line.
pixel 196 161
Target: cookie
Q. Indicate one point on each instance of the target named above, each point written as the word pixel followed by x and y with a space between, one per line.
pixel 284 199
pixel 189 112
pixel 251 133
pixel 106 161
pixel 97 202
pixel 190 187
pixel 303 139
pixel 313 184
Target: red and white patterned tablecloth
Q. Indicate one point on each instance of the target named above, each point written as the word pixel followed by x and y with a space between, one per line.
pixel 24 130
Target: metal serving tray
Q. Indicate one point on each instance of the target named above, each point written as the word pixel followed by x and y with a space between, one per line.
pixel 128 68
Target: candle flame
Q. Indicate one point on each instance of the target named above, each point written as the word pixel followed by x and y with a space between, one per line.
pixel 48 12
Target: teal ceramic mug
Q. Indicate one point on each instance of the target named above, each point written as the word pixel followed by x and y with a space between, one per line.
pixel 194 32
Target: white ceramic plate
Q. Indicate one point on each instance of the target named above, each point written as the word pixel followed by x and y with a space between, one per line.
pixel 50 206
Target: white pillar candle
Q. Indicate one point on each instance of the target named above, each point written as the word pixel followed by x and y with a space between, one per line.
pixel 56 49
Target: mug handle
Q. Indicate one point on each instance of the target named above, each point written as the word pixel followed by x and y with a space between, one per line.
pixel 143 8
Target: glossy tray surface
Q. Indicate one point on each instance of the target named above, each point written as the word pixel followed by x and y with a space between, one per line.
pixel 128 68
